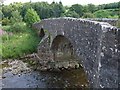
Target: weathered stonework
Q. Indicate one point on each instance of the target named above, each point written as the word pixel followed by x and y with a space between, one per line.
pixel 113 22
pixel 94 43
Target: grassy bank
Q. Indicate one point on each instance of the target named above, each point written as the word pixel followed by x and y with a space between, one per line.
pixel 15 45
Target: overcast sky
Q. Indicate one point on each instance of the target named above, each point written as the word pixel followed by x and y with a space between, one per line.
pixel 68 2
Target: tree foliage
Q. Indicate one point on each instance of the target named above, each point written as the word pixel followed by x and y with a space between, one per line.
pixel 88 15
pixel 43 9
pixel 77 8
pixel 91 8
pixel 5 21
pixel 31 17
pixel 71 14
pixel 46 10
pixel 57 9
pixel 16 17
pixel 102 14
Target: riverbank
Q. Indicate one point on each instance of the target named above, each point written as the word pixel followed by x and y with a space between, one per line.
pixel 19 74
pixel 32 62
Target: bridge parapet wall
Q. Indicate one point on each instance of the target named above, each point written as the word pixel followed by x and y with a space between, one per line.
pixel 113 22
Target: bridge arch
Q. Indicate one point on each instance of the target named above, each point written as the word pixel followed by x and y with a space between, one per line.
pixel 63 50
pixel 62 47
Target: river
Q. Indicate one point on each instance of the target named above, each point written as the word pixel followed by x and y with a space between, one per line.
pixel 74 78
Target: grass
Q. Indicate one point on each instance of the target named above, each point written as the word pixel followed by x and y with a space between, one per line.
pixel 19 44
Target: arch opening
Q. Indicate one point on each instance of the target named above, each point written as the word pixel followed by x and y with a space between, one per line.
pixel 41 33
pixel 62 49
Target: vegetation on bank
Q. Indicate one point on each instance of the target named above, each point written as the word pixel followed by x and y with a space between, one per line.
pixel 15 45
pixel 19 38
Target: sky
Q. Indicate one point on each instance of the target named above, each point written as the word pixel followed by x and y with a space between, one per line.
pixel 67 2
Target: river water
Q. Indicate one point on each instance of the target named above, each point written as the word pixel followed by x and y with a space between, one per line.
pixel 74 78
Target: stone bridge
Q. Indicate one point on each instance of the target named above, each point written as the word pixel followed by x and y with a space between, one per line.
pixel 94 44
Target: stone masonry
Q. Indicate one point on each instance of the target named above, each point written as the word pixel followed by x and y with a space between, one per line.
pixel 94 43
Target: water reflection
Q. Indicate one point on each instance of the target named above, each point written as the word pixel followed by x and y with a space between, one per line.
pixel 71 79
pixel 52 79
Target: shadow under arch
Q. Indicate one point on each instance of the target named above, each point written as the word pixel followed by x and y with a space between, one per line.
pixel 61 47
pixel 63 50
pixel 41 33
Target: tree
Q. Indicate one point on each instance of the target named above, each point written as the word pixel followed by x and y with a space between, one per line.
pixel 119 9
pixel 71 14
pixel 114 5
pixel 16 17
pixel 6 10
pixel 91 8
pixel 102 14
pixel 88 15
pixel 85 9
pixel 57 9
pixel 111 5
pixel 43 9
pixel 118 24
pixel 77 8
pixel 24 9
pixel 31 17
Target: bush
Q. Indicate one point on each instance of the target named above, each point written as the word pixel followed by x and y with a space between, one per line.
pixel 4 37
pixel 18 27
pixel 5 28
pixel 19 44
pixel 16 17
pixel 5 21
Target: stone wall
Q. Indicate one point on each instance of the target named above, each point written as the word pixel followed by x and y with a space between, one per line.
pixel 110 21
pixel 108 67
pixel 94 43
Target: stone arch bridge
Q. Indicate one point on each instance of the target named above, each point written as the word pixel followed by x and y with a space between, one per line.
pixel 94 43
